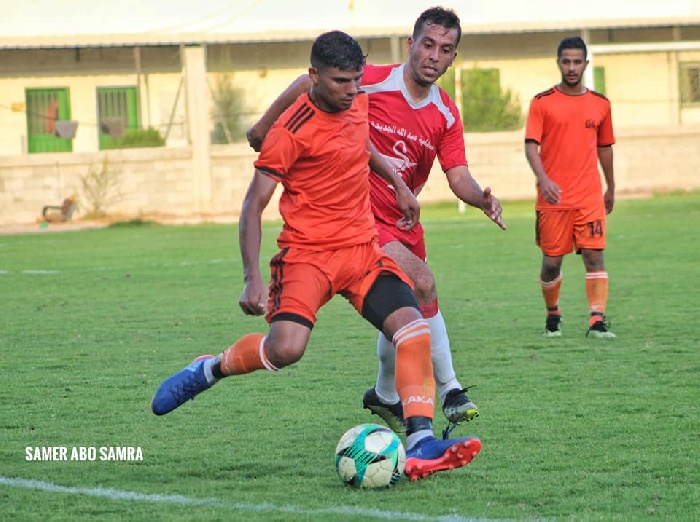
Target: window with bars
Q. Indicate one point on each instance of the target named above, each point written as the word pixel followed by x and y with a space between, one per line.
pixel 689 84
pixel 117 113
pixel 46 108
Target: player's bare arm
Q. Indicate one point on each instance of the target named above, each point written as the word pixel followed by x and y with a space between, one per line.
pixel 550 190
pixel 605 157
pixel 405 199
pixel 256 134
pixel 254 296
pixel 466 188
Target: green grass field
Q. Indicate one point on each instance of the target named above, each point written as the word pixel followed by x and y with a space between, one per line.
pixel 572 429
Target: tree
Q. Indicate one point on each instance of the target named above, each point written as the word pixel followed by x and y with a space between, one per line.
pixel 227 111
pixel 485 106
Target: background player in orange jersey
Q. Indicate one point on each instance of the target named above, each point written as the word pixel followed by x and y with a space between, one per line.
pixel 569 131
pixel 412 121
pixel 319 150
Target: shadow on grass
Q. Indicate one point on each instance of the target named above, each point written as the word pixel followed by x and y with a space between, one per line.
pixel 136 222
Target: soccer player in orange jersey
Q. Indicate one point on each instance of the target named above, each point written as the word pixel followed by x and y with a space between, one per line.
pixel 569 131
pixel 412 122
pixel 319 150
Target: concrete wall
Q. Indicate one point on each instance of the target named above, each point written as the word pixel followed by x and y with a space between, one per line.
pixel 158 183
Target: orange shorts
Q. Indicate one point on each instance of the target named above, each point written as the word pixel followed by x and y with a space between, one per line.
pixel 560 232
pixel 302 281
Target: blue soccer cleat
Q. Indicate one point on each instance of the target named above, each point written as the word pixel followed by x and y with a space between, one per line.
pixel 181 387
pixel 431 455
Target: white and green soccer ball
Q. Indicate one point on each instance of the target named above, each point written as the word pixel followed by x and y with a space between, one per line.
pixel 370 456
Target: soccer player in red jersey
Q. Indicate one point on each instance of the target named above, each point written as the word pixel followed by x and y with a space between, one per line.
pixel 569 131
pixel 412 121
pixel 319 150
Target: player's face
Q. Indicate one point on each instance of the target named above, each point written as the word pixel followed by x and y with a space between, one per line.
pixel 334 90
pixel 572 64
pixel 431 53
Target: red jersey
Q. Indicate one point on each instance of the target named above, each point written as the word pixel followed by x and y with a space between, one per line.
pixel 569 130
pixel 409 135
pixel 322 161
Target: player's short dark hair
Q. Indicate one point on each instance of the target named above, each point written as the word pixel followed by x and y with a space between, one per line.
pixel 337 49
pixel 572 42
pixel 447 18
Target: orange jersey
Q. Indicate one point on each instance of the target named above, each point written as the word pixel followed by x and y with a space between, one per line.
pixel 569 130
pixel 322 161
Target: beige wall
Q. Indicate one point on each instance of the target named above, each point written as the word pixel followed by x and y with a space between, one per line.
pixel 161 182
pixel 648 102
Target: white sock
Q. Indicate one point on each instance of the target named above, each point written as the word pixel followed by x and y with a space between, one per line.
pixel 386 375
pixel 445 378
pixel 207 369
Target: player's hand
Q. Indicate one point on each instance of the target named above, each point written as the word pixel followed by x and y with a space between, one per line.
pixel 609 199
pixel 492 208
pixel 254 140
pixel 550 191
pixel 409 207
pixel 253 299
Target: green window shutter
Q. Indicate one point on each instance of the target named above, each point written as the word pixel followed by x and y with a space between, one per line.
pixel 599 79
pixel 117 113
pixel 44 108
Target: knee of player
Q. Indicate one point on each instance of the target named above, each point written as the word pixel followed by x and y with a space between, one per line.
pixel 424 287
pixel 593 259
pixel 551 267
pixel 388 295
pixel 283 352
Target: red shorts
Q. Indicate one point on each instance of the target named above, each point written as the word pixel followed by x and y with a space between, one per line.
pixel 302 281
pixel 413 242
pixel 560 232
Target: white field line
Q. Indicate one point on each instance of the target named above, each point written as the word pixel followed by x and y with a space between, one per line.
pixel 131 496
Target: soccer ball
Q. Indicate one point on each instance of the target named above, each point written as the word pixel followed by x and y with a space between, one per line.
pixel 370 456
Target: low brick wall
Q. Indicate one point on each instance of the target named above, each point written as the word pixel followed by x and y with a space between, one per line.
pixel 162 182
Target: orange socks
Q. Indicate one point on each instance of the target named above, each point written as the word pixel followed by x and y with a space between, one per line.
pixel 414 369
pixel 246 355
pixel 597 293
pixel 550 292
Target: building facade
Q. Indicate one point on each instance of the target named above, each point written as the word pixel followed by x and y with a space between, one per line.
pixel 75 99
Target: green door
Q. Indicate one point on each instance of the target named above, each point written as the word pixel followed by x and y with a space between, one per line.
pixel 44 108
pixel 117 112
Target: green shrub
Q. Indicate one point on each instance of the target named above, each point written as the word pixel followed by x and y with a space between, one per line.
pixel 485 106
pixel 137 138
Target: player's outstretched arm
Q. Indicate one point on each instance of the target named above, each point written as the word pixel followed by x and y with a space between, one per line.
pixel 406 200
pixel 254 296
pixel 257 132
pixel 466 188
pixel 492 208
